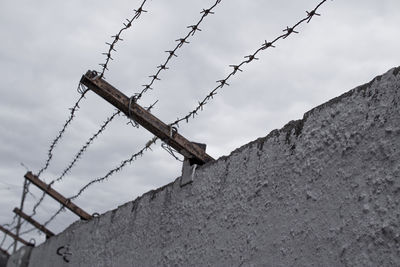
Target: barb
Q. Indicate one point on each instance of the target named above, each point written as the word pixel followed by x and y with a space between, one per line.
pixel 83 149
pixel 248 59
pixel 60 134
pixel 221 83
pixel 172 53
pixel 76 158
pixel 130 160
pixel 118 168
pixel 118 38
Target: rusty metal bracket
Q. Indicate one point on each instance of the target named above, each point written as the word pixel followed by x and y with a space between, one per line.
pixel 189 168
pixel 29 219
pixel 57 196
pixel 17 238
pixel 143 117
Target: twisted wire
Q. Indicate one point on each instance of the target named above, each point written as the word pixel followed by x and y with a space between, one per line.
pixel 181 41
pixel 248 59
pixel 117 38
pixel 172 53
pixel 118 168
pixel 130 160
pixel 60 133
pixel 76 158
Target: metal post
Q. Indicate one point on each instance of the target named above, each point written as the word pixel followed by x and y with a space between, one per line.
pixel 57 196
pixel 143 117
pixel 24 191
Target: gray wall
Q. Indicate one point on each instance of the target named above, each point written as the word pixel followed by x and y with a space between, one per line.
pixel 322 191
pixel 3 259
pixel 20 258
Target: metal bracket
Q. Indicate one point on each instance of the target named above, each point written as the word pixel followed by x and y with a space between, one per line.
pixel 189 168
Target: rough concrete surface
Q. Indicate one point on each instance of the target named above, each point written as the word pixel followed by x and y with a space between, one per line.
pixel 20 258
pixel 322 191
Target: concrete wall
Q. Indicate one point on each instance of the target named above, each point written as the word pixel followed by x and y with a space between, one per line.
pixel 20 258
pixel 322 191
pixel 3 259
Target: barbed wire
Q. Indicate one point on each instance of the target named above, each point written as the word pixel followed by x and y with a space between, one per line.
pixel 172 53
pixel 76 158
pixel 118 168
pixel 117 37
pixel 101 179
pixel 73 110
pixel 61 132
pixel 288 31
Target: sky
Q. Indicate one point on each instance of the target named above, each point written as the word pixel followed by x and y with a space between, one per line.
pixel 46 46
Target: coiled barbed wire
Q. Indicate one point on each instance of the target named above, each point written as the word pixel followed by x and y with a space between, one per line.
pixel 288 31
pixel 117 37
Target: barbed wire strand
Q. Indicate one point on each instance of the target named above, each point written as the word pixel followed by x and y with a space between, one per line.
pixel 213 92
pixel 117 37
pixel 101 179
pixel 181 41
pixel 118 168
pixel 73 110
pixel 222 83
pixel 288 31
pixel 172 53
pixel 76 158
pixel 60 133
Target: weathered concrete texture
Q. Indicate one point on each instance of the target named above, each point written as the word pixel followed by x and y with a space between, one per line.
pixel 3 259
pixel 322 191
pixel 20 258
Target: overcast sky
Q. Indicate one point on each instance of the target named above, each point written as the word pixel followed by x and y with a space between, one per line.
pixel 47 45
